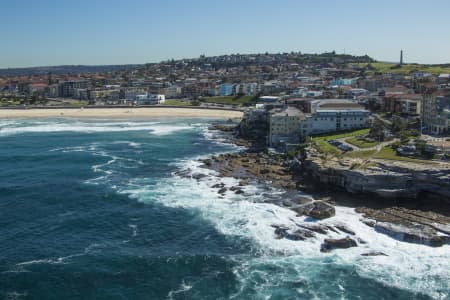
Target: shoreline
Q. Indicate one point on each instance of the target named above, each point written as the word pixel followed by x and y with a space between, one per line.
pixel 417 221
pixel 119 112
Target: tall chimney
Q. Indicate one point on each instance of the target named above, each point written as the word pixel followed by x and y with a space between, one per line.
pixel 401 57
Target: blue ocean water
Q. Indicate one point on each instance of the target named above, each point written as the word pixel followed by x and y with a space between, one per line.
pixel 93 209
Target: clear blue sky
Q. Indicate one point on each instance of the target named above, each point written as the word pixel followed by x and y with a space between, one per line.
pixel 56 32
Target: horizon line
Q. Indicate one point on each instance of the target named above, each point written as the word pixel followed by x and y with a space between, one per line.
pixel 176 59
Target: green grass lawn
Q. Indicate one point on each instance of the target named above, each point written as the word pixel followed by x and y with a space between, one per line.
pixel 361 142
pixel 390 154
pixel 229 100
pixel 326 148
pixel 321 141
pixel 382 67
pixel 334 136
pixel 177 102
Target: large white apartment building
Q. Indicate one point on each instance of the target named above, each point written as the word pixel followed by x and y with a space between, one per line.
pixel 290 125
pixel 285 125
pixel 436 113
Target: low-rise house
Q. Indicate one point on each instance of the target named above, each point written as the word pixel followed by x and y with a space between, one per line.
pixel 443 78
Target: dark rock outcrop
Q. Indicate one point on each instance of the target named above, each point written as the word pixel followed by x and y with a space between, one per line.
pixel 419 234
pixel 396 180
pixel 374 254
pixel 222 190
pixel 345 229
pixel 198 176
pixel 331 244
pixel 317 210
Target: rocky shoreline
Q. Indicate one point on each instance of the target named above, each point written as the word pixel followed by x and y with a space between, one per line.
pixel 414 221
pixel 386 179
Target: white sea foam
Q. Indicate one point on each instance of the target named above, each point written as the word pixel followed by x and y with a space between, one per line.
pixel 181 289
pixel 415 267
pixel 156 128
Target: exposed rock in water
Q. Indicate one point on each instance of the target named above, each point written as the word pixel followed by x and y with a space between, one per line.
pixel 304 200
pixel 368 222
pixel 331 244
pixel 361 241
pixel 198 176
pixel 243 182
pixel 287 203
pixel 345 229
pixel 218 185
pixel 298 235
pixel 321 229
pixel 317 209
pixel 419 234
pixel 280 231
pixel 374 254
pixel 183 173
pixel 222 190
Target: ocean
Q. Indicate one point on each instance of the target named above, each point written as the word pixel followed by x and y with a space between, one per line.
pixel 94 209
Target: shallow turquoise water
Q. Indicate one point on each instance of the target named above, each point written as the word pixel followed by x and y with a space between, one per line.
pixel 91 209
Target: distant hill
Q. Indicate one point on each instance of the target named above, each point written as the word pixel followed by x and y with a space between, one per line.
pixel 75 69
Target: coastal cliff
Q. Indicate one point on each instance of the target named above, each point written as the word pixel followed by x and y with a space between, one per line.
pixel 385 179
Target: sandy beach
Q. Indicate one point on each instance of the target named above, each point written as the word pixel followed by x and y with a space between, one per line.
pixel 131 112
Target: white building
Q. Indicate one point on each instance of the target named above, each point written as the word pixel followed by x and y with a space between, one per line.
pixel 290 125
pixel 173 91
pixel 285 126
pixel 330 120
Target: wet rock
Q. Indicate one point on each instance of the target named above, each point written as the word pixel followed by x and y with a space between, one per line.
pixel 222 190
pixel 264 171
pixel 331 244
pixel 183 173
pixel 207 162
pixel 243 182
pixel 344 229
pixel 317 209
pixel 299 235
pixel 198 176
pixel 361 241
pixel 369 222
pixel 287 203
pixel 374 254
pixel 218 185
pixel 331 228
pixel 416 233
pixel 321 229
pixel 303 200
pixel 280 231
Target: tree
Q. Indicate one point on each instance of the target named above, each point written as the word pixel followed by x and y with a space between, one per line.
pixel 398 125
pixel 377 131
